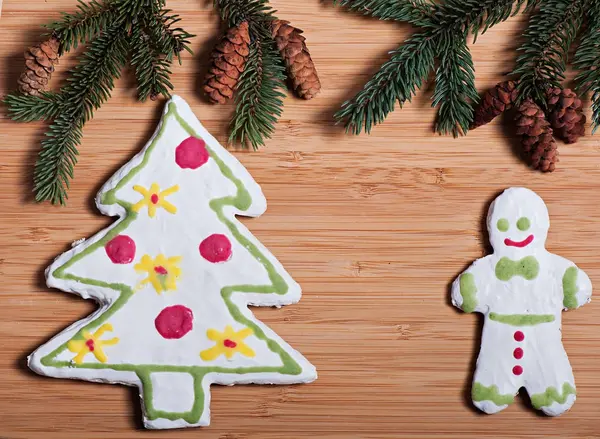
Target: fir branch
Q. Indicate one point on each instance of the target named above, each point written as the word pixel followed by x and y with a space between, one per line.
pixel 166 38
pixel 455 91
pixel 259 100
pixel 477 16
pixel 416 12
pixel 27 108
pixel 587 61
pixel 402 75
pixel 549 36
pixel 89 20
pixel 397 80
pixel 89 86
pixel 233 12
pixel 151 68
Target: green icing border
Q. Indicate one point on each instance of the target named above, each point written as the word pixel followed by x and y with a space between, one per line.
pixel 522 319
pixel 551 395
pixel 241 201
pixel 479 393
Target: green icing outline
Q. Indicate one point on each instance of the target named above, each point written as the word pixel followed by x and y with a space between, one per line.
pixel 479 392
pixel 551 395
pixel 570 290
pixel 468 291
pixel 522 319
pixel 241 201
pixel 506 268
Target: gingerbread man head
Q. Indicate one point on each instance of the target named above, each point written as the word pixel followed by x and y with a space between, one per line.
pixel 518 223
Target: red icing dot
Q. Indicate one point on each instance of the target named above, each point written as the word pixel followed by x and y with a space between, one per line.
pixel 517 370
pixel 174 321
pixel 518 353
pixel 154 198
pixel 216 248
pixel 90 344
pixel 519 336
pixel 120 249
pixel 229 343
pixel 161 270
pixel 191 153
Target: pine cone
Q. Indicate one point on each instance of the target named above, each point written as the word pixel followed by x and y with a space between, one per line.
pixel 228 61
pixel 39 61
pixel 300 66
pixel 566 114
pixel 495 102
pixel 539 146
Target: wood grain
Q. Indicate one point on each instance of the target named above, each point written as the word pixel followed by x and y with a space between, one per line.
pixel 373 227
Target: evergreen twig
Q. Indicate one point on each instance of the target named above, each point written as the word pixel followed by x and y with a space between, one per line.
pixel 397 80
pixel 151 68
pixel 46 106
pixel 417 12
pixel 442 36
pixel 543 58
pixel 455 90
pixel 92 81
pixel 83 25
pixel 115 31
pixel 259 100
pixel 587 61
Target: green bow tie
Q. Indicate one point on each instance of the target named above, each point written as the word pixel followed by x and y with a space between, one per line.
pixel 528 267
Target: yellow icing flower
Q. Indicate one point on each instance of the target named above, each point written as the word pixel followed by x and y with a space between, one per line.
pixel 154 198
pixel 228 343
pixel 93 344
pixel 162 272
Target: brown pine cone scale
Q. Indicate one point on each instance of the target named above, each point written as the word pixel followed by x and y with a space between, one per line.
pixel 537 141
pixel 566 114
pixel 497 100
pixel 301 69
pixel 39 66
pixel 228 62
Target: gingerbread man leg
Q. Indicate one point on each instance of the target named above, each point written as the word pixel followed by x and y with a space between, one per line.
pixel 549 378
pixel 495 383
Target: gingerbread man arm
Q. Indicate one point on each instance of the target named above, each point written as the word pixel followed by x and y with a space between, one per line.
pixel 574 282
pixel 468 290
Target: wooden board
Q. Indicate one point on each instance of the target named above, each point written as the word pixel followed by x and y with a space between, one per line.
pixel 374 229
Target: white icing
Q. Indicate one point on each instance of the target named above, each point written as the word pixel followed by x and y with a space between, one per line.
pixel 165 384
pixel 198 287
pixel 544 362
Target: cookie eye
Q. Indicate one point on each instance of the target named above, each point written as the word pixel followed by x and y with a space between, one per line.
pixel 503 225
pixel 523 224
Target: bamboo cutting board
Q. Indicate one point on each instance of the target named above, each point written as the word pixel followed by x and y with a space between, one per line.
pixel 373 227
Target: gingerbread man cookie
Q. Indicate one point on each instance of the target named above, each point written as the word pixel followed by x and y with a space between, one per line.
pixel 521 289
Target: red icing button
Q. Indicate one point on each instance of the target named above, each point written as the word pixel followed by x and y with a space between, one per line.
pixel 517 370
pixel 216 248
pixel 519 336
pixel 229 343
pixel 191 153
pixel 120 249
pixel 518 353
pixel 174 321
pixel 154 198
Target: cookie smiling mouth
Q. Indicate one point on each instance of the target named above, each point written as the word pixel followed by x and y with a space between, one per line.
pixel 510 243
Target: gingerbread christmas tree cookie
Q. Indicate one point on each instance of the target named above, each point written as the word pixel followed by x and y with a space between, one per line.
pixel 174 276
pixel 522 290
